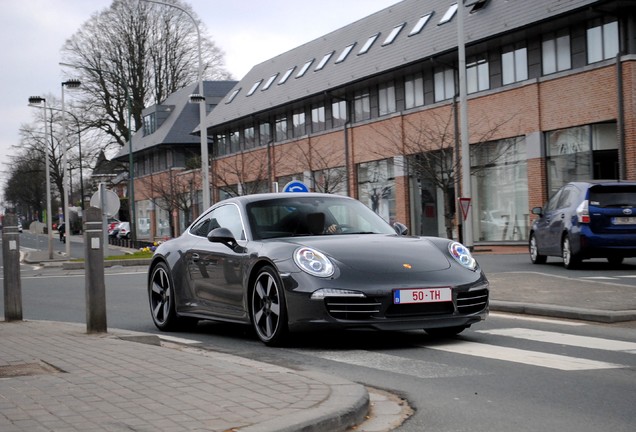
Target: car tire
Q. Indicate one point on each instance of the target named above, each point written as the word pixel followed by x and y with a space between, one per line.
pixel 162 300
pixel 570 260
pixel 445 332
pixel 535 257
pixel 268 308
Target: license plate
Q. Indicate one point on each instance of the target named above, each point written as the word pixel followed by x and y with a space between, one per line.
pixel 422 295
pixel 624 221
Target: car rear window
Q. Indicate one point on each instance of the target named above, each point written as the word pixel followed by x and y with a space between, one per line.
pixel 613 196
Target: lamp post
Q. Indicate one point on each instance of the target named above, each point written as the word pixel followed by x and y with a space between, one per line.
pixel 463 114
pixel 205 169
pixel 72 83
pixel 35 101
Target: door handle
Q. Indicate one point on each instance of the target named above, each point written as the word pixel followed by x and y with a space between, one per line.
pixel 195 257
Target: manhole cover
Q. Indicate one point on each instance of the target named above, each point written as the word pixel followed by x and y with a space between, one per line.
pixel 26 369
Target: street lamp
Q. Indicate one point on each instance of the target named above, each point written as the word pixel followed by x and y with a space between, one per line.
pixel 72 83
pixel 205 168
pixel 35 101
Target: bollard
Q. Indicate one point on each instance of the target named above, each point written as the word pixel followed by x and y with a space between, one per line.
pixel 94 271
pixel 11 263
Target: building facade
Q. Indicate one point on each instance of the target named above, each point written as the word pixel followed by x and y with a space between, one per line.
pixel 370 110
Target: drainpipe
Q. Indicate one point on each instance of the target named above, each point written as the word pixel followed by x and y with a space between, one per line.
pixel 620 121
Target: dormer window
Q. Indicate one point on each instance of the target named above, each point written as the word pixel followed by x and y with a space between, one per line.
pixel 417 28
pixel 269 82
pixel 450 13
pixel 150 123
pixel 254 87
pixel 303 70
pixel 232 96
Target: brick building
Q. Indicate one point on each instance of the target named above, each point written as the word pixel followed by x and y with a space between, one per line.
pixel 370 110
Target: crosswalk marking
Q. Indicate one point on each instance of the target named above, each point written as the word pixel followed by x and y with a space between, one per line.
pixel 392 363
pixel 564 339
pixel 533 358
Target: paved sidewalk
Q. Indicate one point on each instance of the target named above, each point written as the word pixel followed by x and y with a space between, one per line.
pixel 55 377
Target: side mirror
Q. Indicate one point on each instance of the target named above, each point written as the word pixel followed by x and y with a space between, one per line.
pixel 537 211
pixel 224 236
pixel 400 228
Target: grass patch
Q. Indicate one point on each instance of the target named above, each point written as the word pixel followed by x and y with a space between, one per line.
pixel 135 255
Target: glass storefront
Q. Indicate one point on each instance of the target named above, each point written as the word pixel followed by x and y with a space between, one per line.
pixel 500 191
pixel 581 153
pixel 376 187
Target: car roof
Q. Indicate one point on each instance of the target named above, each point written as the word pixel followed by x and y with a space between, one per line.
pixel 245 199
pixel 590 183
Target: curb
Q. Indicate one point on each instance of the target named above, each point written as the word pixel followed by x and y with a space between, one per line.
pixel 347 406
pixel 595 315
pixel 79 265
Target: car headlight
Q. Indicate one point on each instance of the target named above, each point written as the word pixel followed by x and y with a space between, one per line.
pixel 313 262
pixel 462 255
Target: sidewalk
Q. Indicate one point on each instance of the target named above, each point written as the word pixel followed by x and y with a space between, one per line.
pixel 56 377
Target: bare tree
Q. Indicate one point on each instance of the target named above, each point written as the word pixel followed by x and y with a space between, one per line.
pixel 326 163
pixel 242 174
pixel 172 190
pixel 428 143
pixel 136 54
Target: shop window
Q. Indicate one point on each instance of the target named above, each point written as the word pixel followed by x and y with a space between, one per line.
pixel 376 187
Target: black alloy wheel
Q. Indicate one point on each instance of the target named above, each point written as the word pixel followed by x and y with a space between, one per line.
pixel 268 309
pixel 161 296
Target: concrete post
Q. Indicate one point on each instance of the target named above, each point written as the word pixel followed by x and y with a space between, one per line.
pixel 11 271
pixel 94 269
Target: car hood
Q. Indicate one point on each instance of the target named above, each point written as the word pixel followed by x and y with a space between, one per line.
pixel 380 253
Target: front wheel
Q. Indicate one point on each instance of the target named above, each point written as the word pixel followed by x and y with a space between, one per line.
pixel 570 260
pixel 269 312
pixel 535 257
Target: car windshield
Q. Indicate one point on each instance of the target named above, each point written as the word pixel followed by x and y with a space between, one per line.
pixel 613 196
pixel 310 216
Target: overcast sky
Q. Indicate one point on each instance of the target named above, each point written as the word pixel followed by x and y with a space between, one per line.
pixel 32 33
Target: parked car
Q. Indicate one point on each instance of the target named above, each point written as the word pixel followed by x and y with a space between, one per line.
pixel 123 230
pixel 593 219
pixel 113 223
pixel 271 260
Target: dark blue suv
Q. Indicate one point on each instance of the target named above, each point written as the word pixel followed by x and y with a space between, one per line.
pixel 592 219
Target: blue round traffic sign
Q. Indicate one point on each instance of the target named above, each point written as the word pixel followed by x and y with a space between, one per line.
pixel 295 186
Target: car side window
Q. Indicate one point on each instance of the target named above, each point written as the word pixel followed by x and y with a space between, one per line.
pixel 552 203
pixel 226 216
pixel 567 196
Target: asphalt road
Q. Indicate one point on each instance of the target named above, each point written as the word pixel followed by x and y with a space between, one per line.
pixel 509 373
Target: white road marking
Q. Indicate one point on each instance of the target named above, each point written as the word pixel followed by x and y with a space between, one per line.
pixel 564 339
pixel 179 340
pixel 533 358
pixel 598 277
pixel 537 319
pixel 392 363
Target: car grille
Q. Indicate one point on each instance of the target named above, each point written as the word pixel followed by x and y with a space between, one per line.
pixel 405 310
pixel 472 301
pixel 352 308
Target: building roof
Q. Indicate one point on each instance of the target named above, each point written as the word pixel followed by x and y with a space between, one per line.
pixel 181 117
pixel 408 46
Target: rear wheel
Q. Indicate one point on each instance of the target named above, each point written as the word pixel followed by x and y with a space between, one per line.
pixel 445 331
pixel 535 257
pixel 269 312
pixel 570 260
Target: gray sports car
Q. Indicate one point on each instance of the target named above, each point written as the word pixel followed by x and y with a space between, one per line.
pixel 300 261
